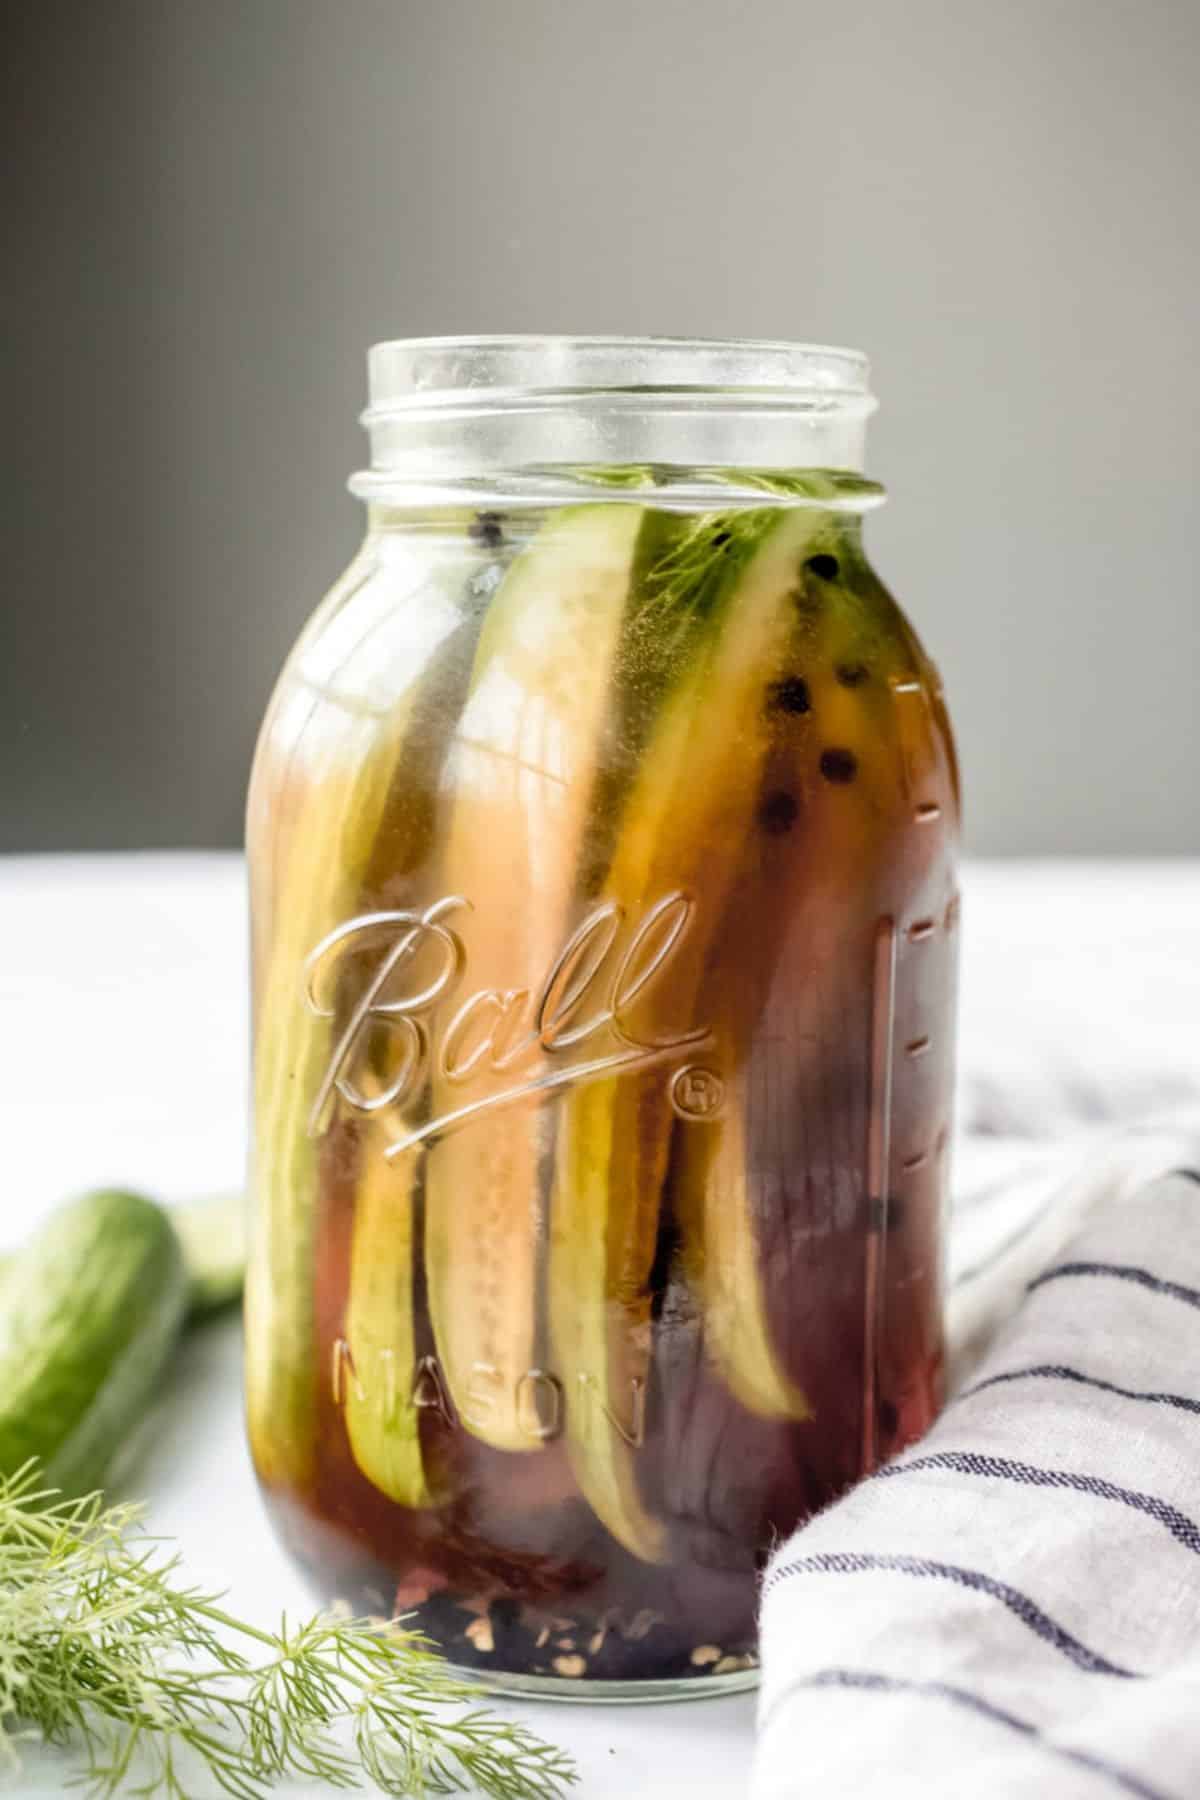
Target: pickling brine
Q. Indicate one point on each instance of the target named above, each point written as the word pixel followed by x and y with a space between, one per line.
pixel 601 837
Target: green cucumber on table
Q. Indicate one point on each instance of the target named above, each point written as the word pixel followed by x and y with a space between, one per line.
pixel 91 1309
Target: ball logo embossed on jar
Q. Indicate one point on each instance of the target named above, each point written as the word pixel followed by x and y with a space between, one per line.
pixel 592 1001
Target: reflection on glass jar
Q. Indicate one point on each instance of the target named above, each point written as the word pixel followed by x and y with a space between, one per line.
pixel 602 839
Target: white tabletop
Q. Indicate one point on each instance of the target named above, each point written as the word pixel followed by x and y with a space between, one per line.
pixel 125 1060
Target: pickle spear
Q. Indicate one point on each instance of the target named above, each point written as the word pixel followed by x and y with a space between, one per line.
pixel 379 1327
pixel 838 851
pixel 342 758
pixel 680 834
pixel 381 1420
pixel 519 779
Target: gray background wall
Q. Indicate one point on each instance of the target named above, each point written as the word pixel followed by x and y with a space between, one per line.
pixel 217 206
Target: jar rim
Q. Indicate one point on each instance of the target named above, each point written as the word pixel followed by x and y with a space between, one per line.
pixel 415 375
pixel 496 414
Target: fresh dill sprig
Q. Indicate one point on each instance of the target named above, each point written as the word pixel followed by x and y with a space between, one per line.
pixel 102 1645
pixel 699 564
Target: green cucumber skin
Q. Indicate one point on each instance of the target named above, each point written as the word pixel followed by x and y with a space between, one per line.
pixel 92 1308
pixel 215 1277
pixel 213 1235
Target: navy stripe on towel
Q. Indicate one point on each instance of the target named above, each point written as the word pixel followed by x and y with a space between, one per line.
pixel 865 1681
pixel 1119 1272
pixel 857 1562
pixel 1060 1372
pixel 969 1462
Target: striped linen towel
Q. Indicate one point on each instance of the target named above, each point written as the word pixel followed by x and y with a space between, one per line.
pixel 1012 1607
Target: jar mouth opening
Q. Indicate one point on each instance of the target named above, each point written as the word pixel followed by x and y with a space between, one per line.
pixel 410 378
pixel 448 415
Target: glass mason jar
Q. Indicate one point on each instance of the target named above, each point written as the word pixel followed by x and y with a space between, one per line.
pixel 602 845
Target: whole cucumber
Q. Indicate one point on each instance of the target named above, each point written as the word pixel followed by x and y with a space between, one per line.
pixel 213 1235
pixel 89 1314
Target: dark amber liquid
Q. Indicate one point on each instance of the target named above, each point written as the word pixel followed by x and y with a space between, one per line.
pixel 514 1574
pixel 830 985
